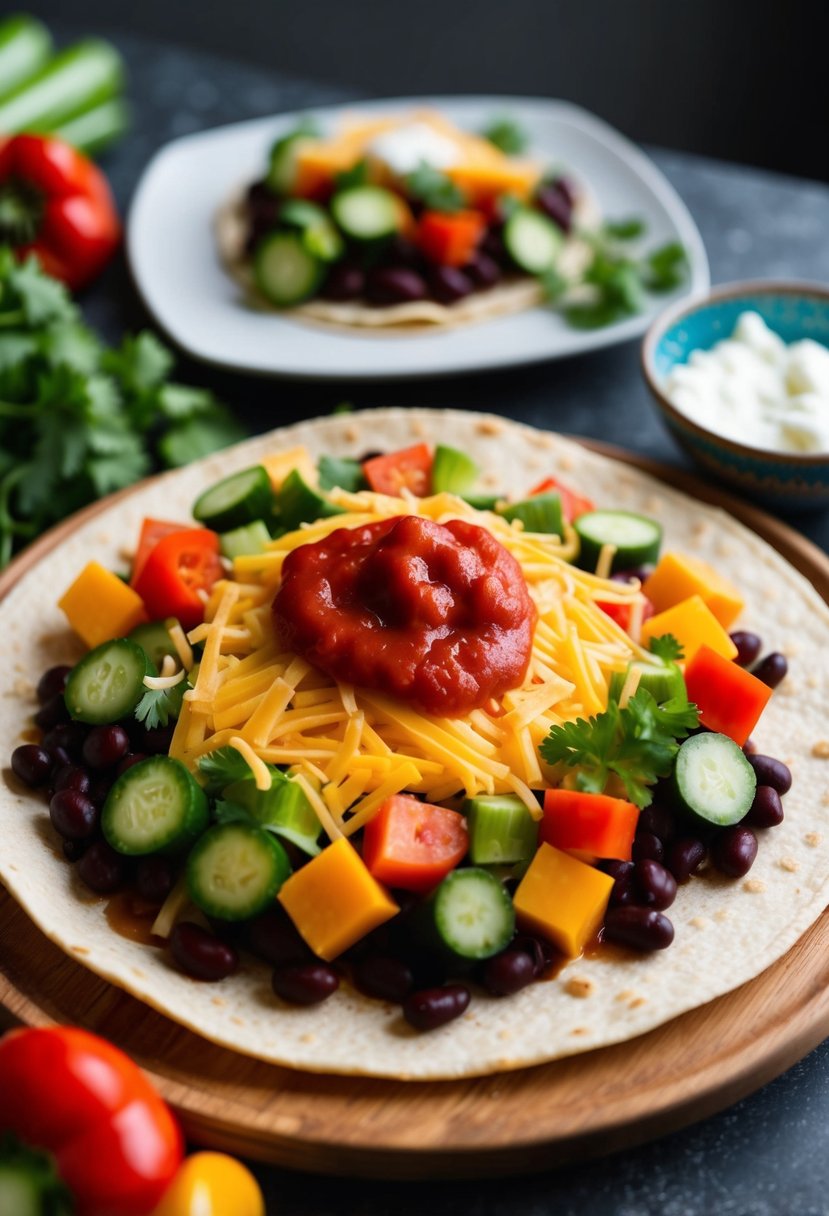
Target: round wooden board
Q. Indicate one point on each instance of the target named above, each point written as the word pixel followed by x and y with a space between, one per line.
pixel 583 1106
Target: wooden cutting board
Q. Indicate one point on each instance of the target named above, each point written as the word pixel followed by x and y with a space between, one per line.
pixel 583 1106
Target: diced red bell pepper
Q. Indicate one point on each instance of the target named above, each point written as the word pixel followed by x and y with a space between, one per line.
pixel 178 568
pixel 413 844
pixel 572 504
pixel 152 530
pixel 729 698
pixel 589 825
pixel 622 614
pixel 450 239
pixel 410 469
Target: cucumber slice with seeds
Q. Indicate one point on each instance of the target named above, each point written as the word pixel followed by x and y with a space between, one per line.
pixel 501 830
pixel 473 915
pixel 235 871
pixel 453 472
pixel 366 213
pixel 713 779
pixel 236 500
pixel 637 538
pixel 108 683
pixel 533 241
pixel 285 270
pixel 155 806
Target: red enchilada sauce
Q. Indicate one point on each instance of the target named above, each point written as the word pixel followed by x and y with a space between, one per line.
pixel 435 614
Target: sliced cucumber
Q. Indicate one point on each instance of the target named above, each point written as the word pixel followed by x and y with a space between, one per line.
pixel 282 809
pixel 285 271
pixel 282 171
pixel 541 513
pixel 637 538
pixel 473 915
pixel 533 241
pixel 154 806
pixel 236 500
pixel 713 779
pixel 501 830
pixel 366 213
pixel 453 472
pixel 154 639
pixel 235 871
pixel 108 683
pixel 298 503
pixel 319 236
pixel 343 472
pixel 250 538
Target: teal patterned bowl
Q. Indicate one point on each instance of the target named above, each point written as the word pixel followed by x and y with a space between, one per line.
pixel 793 481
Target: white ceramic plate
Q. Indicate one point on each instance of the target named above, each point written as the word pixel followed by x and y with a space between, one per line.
pixel 173 256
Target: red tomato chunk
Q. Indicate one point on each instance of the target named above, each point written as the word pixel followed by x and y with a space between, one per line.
pixel 413 844
pixel 435 614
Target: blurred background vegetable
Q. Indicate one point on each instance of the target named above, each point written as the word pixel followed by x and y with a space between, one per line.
pixel 75 93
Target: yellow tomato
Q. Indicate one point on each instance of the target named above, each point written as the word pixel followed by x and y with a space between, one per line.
pixel 211 1184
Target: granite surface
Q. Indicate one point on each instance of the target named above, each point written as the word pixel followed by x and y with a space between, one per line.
pixel 766 1155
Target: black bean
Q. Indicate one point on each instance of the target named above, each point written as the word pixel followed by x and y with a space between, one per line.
pixel 32 764
pixel 646 845
pixel 449 284
pixel 60 758
pixel 685 857
pixel 345 281
pixel 395 285
pixel 155 742
pixel 385 977
pixel 772 669
pixel 508 972
pixel 656 884
pixel 200 954
pixel 52 712
pixel 305 983
pixel 104 746
pixel 766 810
pixel 73 815
pixel 493 245
pixel 733 851
pixel 639 928
pixel 66 735
pixel 155 877
pixel 555 204
pixel 128 761
pixel 638 573
pixel 73 850
pixel 99 788
pixel 102 869
pixel 748 646
pixel 658 820
pixel 71 777
pixel 565 186
pixel 771 772
pixel 433 1007
pixel 403 251
pixel 52 683
pixel 538 948
pixel 483 270
pixel 273 937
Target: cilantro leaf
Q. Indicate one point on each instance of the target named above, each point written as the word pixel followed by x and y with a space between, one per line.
pixel 665 268
pixel 221 768
pixel 38 297
pixel 159 705
pixel 140 364
pixel 624 230
pixel 667 647
pixel 357 175
pixel 506 134
pixel 434 189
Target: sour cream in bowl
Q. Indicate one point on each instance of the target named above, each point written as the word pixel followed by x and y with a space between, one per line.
pixel 741 378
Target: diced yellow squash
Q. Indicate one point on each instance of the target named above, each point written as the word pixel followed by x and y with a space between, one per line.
pixel 481 181
pixel 280 464
pixel 99 606
pixel 693 624
pixel 562 899
pixel 334 901
pixel 679 576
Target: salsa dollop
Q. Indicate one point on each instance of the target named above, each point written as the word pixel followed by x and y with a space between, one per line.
pixel 435 614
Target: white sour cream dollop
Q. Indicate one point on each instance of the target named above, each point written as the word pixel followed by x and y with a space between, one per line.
pixel 756 390
pixel 404 149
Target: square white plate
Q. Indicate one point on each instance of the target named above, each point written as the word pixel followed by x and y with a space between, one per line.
pixel 173 255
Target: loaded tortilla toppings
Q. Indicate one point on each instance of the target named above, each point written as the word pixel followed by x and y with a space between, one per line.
pixel 379 728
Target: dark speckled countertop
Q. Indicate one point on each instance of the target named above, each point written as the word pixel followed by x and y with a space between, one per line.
pixel 768 1154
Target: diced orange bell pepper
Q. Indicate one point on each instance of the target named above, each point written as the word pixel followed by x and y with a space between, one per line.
pixel 450 239
pixel 99 606
pixel 334 901
pixel 562 899
pixel 589 825
pixel 729 698
pixel 679 576
pixel 693 624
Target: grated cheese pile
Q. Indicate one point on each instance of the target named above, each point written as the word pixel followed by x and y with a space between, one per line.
pixel 352 748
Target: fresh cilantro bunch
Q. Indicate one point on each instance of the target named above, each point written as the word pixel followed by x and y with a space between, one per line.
pixel 78 420
pixel 637 744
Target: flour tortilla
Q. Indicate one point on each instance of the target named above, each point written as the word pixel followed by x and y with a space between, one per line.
pixel 513 295
pixel 726 931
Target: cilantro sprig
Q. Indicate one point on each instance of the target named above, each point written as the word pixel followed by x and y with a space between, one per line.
pixel 636 744
pixel 159 705
pixel 507 135
pixel 434 189
pixel 667 647
pixel 78 420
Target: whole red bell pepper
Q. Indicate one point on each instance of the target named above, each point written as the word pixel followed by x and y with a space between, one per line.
pixel 56 204
pixel 113 1142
